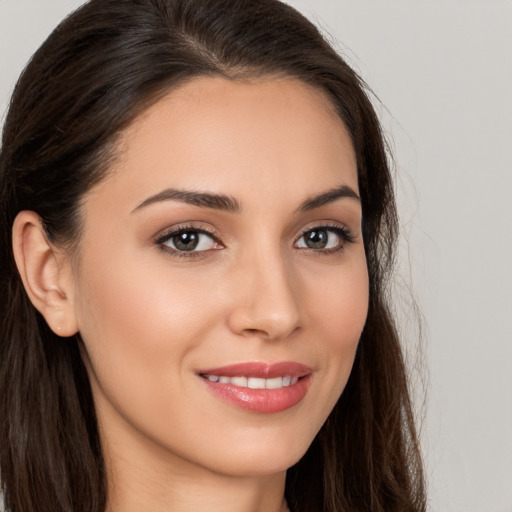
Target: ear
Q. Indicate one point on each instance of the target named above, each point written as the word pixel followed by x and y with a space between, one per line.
pixel 45 272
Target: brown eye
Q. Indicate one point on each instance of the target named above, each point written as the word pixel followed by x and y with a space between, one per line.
pixel 188 240
pixel 324 238
pixel 316 239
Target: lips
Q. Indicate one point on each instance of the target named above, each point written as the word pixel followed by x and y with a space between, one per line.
pixel 259 387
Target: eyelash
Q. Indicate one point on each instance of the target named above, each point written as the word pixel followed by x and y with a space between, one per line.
pixel 189 255
pixel 343 233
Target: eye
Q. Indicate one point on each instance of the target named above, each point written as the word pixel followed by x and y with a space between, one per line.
pixel 188 239
pixel 325 238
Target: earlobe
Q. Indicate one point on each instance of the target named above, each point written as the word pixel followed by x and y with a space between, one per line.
pixel 46 277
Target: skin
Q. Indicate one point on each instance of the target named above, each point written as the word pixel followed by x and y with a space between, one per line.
pixel 151 319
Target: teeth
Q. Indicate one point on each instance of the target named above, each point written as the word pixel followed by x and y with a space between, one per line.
pixel 274 383
pixel 239 381
pixel 255 382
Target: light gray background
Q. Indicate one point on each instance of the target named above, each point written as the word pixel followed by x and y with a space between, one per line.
pixel 443 70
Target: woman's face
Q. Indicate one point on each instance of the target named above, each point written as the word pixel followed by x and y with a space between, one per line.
pixel 221 281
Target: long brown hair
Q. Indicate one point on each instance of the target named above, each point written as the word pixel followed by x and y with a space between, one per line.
pixel 96 72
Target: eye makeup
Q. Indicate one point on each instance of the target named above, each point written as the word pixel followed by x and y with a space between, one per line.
pixel 188 241
pixel 325 239
pixel 191 242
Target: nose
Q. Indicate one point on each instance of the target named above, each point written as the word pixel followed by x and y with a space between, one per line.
pixel 266 301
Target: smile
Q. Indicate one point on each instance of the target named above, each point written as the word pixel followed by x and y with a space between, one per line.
pixel 254 382
pixel 259 387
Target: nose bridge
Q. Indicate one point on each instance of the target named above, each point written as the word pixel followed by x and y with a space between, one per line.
pixel 269 304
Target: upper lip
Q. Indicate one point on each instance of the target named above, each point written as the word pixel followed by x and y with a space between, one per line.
pixel 260 370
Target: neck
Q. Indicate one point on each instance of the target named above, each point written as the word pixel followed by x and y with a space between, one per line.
pixel 137 484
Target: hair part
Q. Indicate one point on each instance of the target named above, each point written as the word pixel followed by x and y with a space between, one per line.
pixel 100 69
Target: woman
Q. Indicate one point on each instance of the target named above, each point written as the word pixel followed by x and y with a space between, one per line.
pixel 193 303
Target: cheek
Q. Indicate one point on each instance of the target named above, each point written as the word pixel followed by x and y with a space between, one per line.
pixel 141 328
pixel 340 315
pixel 138 324
pixel 338 300
pixel 138 300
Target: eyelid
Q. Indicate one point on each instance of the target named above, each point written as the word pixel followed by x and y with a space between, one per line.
pixel 174 230
pixel 162 237
pixel 341 230
pixel 327 225
pixel 344 233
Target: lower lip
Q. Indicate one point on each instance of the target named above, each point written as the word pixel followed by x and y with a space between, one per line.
pixel 261 400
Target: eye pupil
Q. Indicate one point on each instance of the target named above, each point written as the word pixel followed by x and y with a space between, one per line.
pixel 317 239
pixel 186 241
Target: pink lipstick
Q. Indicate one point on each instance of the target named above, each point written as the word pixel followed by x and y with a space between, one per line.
pixel 259 387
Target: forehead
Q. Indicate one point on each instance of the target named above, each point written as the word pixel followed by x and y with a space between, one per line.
pixel 235 137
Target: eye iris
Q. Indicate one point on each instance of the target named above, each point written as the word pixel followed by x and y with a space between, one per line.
pixel 186 241
pixel 317 239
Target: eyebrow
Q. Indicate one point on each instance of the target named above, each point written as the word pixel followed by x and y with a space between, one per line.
pixel 201 199
pixel 328 197
pixel 230 204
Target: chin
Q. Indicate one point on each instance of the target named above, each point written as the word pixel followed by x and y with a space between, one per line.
pixel 260 455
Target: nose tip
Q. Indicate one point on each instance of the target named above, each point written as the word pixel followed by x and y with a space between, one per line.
pixel 271 326
pixel 268 306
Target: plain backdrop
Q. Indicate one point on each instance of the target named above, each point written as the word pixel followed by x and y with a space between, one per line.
pixel 443 73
